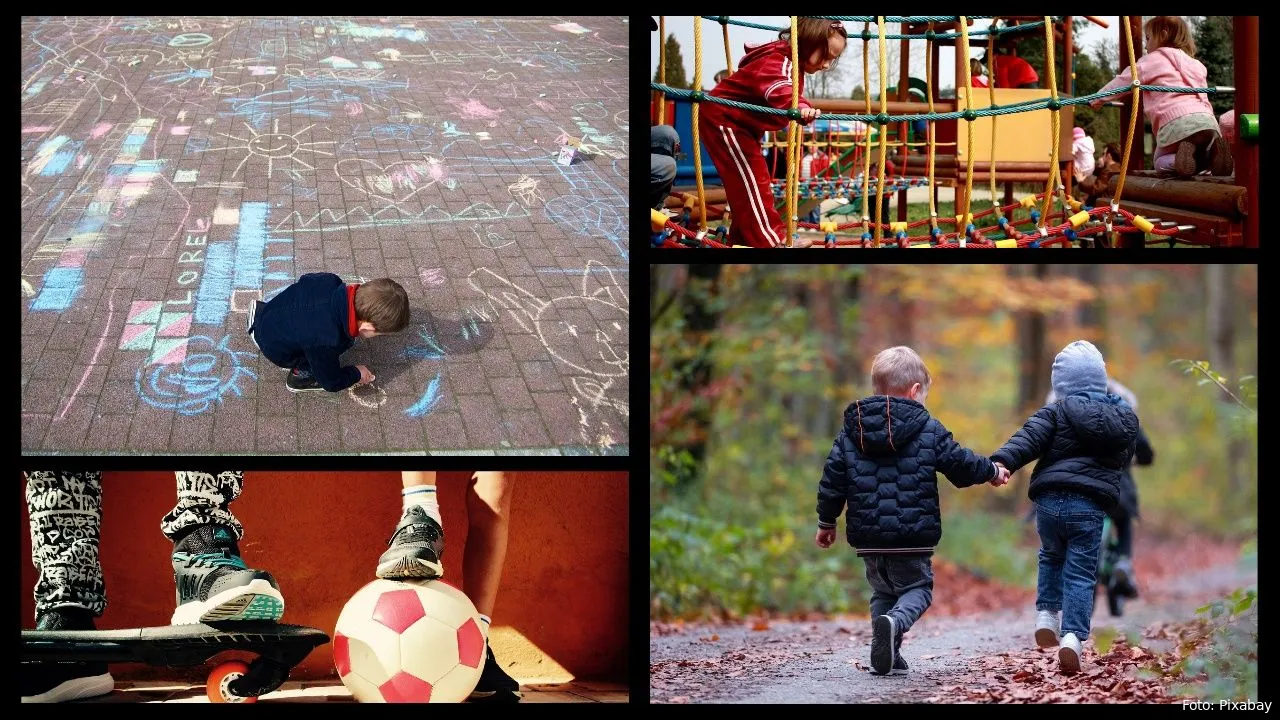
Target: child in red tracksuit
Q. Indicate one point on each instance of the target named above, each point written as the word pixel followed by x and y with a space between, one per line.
pixel 732 136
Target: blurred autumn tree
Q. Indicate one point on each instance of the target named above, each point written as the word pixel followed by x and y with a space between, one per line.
pixel 751 367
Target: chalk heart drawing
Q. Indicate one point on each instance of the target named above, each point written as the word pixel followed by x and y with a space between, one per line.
pixel 394 183
pixel 209 372
pixel 585 331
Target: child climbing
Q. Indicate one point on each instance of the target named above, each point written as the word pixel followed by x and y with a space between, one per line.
pixel 1188 139
pixel 732 136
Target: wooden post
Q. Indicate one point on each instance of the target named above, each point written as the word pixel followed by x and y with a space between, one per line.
pixel 1245 39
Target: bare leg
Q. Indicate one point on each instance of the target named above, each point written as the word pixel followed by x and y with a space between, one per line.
pixel 417 479
pixel 488 519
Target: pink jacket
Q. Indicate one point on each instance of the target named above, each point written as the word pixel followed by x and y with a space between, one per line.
pixel 1171 68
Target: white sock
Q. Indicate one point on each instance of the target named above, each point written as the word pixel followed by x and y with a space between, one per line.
pixel 423 496
pixel 487 620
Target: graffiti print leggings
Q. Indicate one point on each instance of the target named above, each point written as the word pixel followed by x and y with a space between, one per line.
pixel 65 509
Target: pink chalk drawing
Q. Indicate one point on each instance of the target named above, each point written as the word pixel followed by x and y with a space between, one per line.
pixel 545 105
pixel 174 325
pixel 100 129
pixel 82 160
pixel 202 225
pixel 431 277
pixel 354 108
pixel 473 109
pixel 73 257
pixel 394 183
pixel 180 130
pixel 37 129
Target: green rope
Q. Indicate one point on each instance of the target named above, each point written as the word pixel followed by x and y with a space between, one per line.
pixel 884 119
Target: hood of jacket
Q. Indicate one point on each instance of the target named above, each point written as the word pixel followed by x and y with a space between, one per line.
pixel 881 424
pixel 1103 422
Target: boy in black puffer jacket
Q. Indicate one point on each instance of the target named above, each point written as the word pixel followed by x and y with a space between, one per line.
pixel 1084 440
pixel 884 466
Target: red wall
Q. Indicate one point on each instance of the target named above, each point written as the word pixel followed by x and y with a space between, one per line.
pixel 564 586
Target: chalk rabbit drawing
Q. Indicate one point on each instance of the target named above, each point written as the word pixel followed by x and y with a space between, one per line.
pixel 586 331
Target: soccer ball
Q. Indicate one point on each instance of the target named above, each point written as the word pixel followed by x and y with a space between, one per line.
pixel 418 641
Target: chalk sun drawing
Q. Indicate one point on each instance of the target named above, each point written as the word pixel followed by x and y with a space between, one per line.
pixel 273 146
pixel 208 373
pixel 376 399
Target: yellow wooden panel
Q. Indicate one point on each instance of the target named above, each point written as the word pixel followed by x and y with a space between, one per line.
pixel 1020 137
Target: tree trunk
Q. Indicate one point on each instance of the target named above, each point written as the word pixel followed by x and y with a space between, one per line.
pixel 1220 328
pixel 701 318
pixel 1033 368
pixel 1092 314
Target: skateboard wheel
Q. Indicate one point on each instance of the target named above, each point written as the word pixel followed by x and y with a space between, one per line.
pixel 221 677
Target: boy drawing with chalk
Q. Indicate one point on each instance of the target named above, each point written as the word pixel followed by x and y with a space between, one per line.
pixel 312 322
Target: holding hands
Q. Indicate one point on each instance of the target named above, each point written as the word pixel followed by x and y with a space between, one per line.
pixel 1002 476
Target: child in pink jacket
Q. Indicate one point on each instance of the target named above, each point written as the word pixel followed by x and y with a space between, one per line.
pixel 732 136
pixel 1187 135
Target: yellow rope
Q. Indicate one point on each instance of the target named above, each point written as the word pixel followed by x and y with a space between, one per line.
pixel 928 85
pixel 728 59
pixel 991 102
pixel 1055 123
pixel 963 57
pixel 866 154
pixel 793 129
pixel 1133 113
pixel 697 148
pixel 662 67
pixel 884 108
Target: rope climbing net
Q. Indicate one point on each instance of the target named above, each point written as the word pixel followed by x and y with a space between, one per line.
pixel 1059 218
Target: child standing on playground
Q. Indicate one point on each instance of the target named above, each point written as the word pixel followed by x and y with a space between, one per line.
pixel 883 467
pixel 1083 441
pixel 1188 139
pixel 732 136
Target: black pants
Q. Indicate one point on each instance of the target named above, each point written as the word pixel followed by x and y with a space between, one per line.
pixel 901 586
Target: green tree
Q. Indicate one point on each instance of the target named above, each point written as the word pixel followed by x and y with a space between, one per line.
pixel 675 65
pixel 858 93
pixel 1213 36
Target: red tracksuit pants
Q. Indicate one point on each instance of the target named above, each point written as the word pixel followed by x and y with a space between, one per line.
pixel 746 179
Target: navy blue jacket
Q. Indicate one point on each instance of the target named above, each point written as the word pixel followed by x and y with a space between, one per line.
pixel 306 325
pixel 1083 443
pixel 884 466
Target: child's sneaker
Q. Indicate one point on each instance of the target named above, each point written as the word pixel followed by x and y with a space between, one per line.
pixel 1046 628
pixel 1220 160
pixel 415 550
pixel 884 635
pixel 495 685
pixel 301 381
pixel 1184 163
pixel 215 585
pixel 1069 651
pixel 1122 577
pixel 60 682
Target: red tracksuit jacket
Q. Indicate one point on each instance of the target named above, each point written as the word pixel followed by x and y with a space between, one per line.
pixel 732 138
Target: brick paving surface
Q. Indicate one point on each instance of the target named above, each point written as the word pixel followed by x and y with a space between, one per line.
pixel 174 170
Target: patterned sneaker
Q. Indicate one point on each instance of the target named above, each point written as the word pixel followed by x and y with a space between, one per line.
pixel 1220 161
pixel 495 685
pixel 1184 163
pixel 301 381
pixel 415 549
pixel 60 682
pixel 215 585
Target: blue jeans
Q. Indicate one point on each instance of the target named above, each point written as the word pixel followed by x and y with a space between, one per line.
pixel 1070 527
